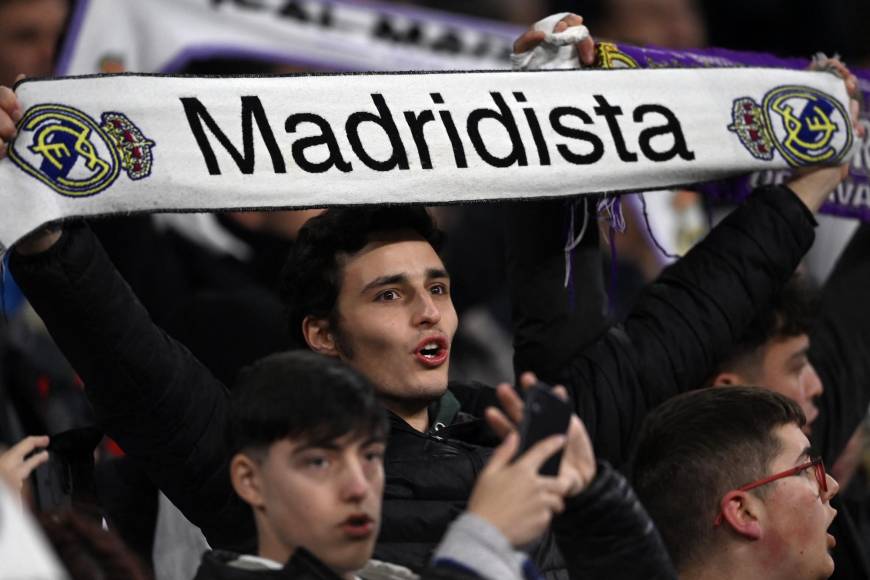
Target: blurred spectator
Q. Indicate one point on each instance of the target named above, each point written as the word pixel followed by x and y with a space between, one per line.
pixel 88 551
pixel 29 34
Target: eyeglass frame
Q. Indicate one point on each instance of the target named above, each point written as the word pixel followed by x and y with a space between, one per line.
pixel 820 472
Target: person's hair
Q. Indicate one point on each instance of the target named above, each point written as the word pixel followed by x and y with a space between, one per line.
pixel 698 446
pixel 303 396
pixel 792 312
pixel 311 278
pixel 87 551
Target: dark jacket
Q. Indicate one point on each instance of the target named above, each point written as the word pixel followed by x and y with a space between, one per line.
pixel 840 353
pixel 167 411
pixel 681 327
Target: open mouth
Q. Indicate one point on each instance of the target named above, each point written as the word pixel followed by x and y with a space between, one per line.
pixel 358 526
pixel 432 352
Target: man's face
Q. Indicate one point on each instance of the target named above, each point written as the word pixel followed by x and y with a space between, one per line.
pixel 29 32
pixel 785 368
pixel 797 515
pixel 325 498
pixel 663 23
pixel 396 318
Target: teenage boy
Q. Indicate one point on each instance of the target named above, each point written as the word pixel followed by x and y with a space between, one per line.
pixel 731 481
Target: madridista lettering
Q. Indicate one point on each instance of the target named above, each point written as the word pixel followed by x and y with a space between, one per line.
pixel 497 134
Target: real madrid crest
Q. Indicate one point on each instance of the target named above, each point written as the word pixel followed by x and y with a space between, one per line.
pixel 803 124
pixel 74 155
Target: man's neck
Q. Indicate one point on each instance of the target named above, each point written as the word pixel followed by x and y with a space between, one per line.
pixel 730 566
pixel 415 414
pixel 274 551
pixel 418 419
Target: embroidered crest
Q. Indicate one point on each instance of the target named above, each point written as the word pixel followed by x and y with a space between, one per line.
pixel 803 124
pixel 750 126
pixel 76 157
pixel 609 56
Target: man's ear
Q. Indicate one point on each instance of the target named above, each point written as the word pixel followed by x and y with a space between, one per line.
pixel 728 379
pixel 742 513
pixel 318 334
pixel 246 479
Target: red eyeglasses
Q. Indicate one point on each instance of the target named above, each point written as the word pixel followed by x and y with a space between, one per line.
pixel 816 463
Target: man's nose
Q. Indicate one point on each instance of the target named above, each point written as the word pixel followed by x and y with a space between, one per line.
pixel 427 312
pixel 46 51
pixel 833 487
pixel 354 483
pixel 813 386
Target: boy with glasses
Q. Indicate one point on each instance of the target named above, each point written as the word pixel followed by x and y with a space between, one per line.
pixel 729 479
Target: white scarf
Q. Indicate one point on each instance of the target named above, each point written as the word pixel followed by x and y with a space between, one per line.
pixel 138 143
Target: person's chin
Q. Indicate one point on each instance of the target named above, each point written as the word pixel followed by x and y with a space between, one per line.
pixel 431 383
pixel 351 557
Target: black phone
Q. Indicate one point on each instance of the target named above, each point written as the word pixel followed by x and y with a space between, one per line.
pixel 67 478
pixel 52 480
pixel 545 414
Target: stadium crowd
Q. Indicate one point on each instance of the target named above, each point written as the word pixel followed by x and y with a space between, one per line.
pixel 291 394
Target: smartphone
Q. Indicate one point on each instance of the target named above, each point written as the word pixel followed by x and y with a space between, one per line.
pixel 52 490
pixel 545 414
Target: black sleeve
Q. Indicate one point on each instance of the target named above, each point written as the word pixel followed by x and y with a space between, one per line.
pixel 686 321
pixel 606 533
pixel 553 322
pixel 147 261
pixel 148 392
pixel 840 348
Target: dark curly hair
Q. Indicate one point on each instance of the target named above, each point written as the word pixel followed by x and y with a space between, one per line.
pixel 311 278
pixel 791 313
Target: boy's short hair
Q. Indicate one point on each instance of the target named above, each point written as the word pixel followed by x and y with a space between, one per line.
pixel 697 447
pixel 311 278
pixel 304 396
pixel 791 313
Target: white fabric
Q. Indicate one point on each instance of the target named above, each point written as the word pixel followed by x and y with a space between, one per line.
pixel 24 553
pixel 178 177
pixel 318 35
pixel 249 562
pixel 556 51
pixel 178 544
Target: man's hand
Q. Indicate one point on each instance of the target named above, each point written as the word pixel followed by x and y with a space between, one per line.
pixel 514 497
pixel 10 114
pixel 532 38
pixel 813 184
pixel 17 463
pixel 578 458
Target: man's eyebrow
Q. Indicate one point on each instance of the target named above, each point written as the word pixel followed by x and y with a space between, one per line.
pixel 402 278
pixel 385 281
pixel 374 439
pixel 436 273
pixel 805 455
pixel 328 446
pixel 802 353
